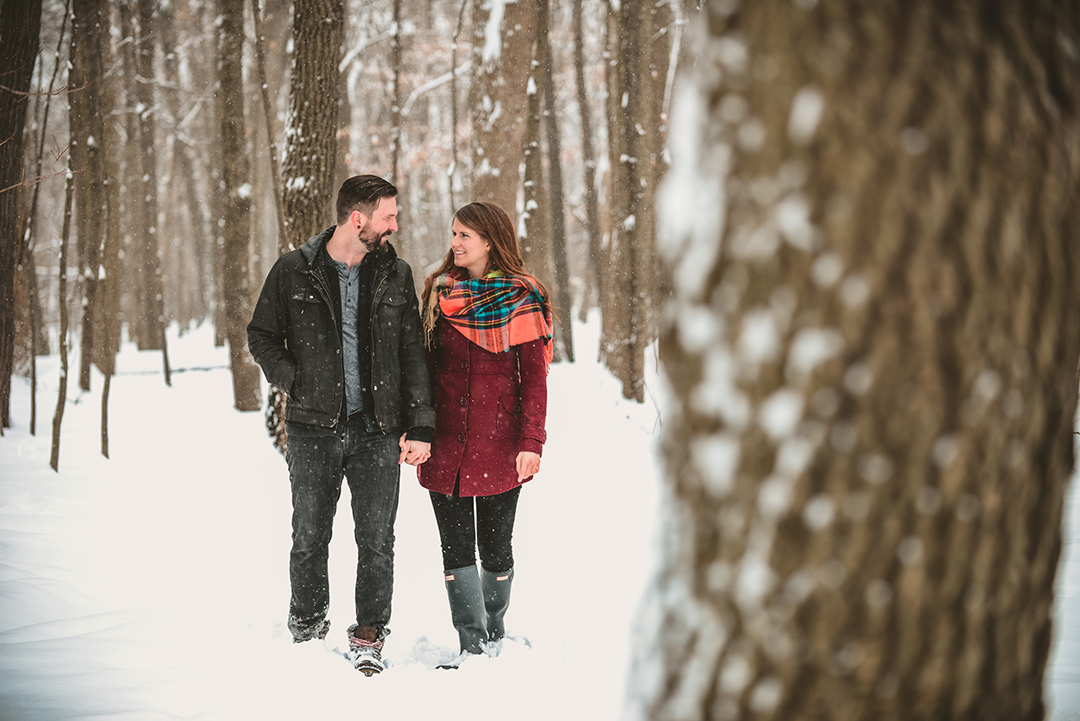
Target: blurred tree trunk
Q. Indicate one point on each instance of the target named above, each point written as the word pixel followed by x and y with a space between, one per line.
pixel 498 97
pixel 310 141
pixel 873 360
pixel 151 334
pixel 556 201
pixel 536 216
pixel 593 287
pixel 20 23
pixel 395 95
pixel 623 335
pixel 62 343
pixel 89 39
pixel 237 191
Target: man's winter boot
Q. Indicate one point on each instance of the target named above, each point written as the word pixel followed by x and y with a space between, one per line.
pixel 366 656
pixel 496 600
pixel 467 608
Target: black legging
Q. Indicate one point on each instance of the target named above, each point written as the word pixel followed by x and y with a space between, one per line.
pixel 490 528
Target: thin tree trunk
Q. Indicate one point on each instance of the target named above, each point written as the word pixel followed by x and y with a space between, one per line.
pixel 152 285
pixel 454 112
pixel 563 300
pixel 395 93
pixel 268 112
pixel 594 278
pixel 245 374
pixel 873 356
pixel 61 399
pixel 535 215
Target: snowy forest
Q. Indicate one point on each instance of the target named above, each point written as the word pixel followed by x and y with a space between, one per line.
pixel 846 231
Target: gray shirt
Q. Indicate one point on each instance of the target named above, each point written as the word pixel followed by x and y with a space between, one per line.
pixel 349 281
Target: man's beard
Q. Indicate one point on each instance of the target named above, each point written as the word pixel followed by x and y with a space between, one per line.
pixel 374 242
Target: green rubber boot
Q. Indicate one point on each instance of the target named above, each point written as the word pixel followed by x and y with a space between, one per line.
pixel 467 608
pixel 496 600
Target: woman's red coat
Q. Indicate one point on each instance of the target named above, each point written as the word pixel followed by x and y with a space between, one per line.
pixel 488 408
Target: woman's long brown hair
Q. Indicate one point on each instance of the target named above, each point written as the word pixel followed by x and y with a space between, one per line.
pixel 494 225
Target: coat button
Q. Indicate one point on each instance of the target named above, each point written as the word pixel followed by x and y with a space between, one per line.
pixel 464 364
pixel 461 437
pixel 464 401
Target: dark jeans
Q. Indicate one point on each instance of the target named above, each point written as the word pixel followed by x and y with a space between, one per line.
pixel 318 457
pixel 490 527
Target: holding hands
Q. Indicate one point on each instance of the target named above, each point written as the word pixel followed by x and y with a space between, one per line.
pixel 413 452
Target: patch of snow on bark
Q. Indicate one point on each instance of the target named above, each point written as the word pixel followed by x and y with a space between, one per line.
pixel 717 459
pixel 780 413
pixel 806 110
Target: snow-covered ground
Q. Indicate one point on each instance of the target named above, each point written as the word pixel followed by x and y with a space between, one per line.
pixel 154 585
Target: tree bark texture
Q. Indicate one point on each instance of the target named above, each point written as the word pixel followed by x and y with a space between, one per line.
pixel 503 36
pixel 151 335
pixel 873 355
pixel 535 214
pixel 311 128
pixel 90 25
pixel 238 302
pixel 20 22
pixel 633 148
pixel 594 276
pixel 556 203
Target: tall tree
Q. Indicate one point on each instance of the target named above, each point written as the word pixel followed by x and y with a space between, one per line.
pixel 536 212
pixel 624 333
pixel 556 196
pixel 310 141
pixel 237 269
pixel 873 359
pixel 20 23
pixel 503 36
pixel 594 276
pixel 151 320
pixel 311 126
pixel 89 40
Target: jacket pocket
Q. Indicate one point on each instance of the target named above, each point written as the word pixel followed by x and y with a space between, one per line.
pixel 508 417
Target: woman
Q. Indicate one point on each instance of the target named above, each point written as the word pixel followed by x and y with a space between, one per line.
pixel 488 326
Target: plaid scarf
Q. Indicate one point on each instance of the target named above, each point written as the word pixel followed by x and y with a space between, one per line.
pixel 497 311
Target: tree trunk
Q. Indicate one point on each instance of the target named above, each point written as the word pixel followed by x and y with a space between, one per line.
pixel 245 374
pixel 90 27
pixel 594 277
pixel 20 23
pixel 151 283
pixel 535 215
pixel 310 142
pixel 61 396
pixel 873 360
pixel 623 329
pixel 310 135
pixel 499 97
pixel 556 197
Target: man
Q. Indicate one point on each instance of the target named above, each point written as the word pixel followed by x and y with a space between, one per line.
pixel 337 329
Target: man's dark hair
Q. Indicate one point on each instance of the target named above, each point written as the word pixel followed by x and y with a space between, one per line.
pixel 363 193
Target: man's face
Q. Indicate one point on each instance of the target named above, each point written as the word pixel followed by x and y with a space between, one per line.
pixel 382 223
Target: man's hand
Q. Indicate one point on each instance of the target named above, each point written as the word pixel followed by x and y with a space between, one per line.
pixel 413 452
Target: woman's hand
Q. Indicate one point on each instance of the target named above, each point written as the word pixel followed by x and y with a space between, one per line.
pixel 528 464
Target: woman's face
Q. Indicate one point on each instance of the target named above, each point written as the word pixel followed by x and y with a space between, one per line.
pixel 469 249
